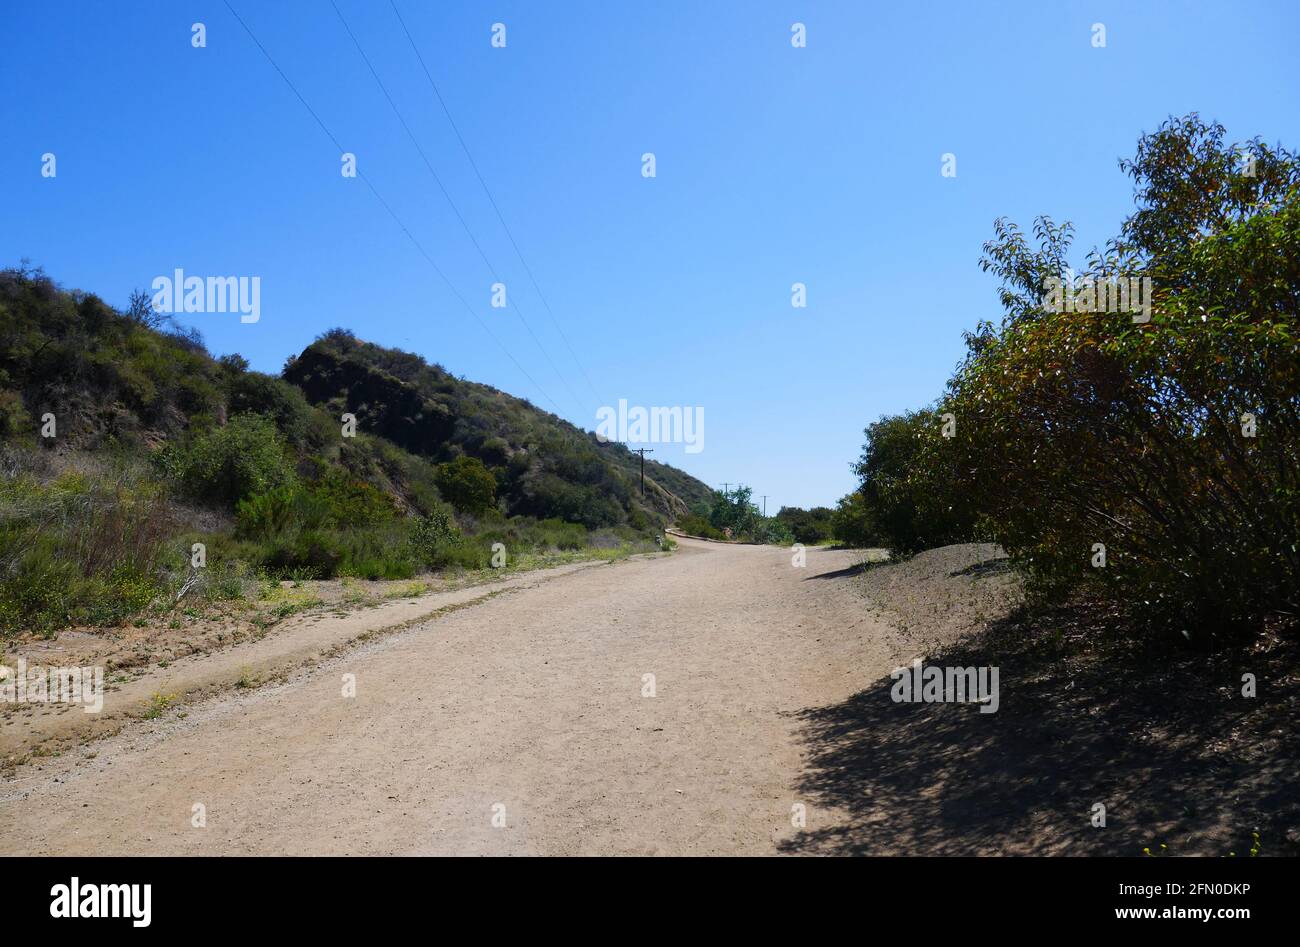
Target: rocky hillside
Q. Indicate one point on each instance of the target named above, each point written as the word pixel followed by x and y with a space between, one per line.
pixel 132 381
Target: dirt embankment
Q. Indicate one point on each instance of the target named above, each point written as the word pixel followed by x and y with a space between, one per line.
pixel 1110 738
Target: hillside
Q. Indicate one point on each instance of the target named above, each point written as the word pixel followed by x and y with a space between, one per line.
pixel 125 379
pixel 546 466
pixel 123 442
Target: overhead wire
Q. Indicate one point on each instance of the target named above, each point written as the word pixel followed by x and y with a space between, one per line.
pixel 491 199
pixel 450 201
pixel 373 190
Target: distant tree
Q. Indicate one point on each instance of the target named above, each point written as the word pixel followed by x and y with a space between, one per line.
pixel 851 522
pixel 140 310
pixel 234 363
pixel 909 488
pixel 732 510
pixel 807 526
pixel 467 484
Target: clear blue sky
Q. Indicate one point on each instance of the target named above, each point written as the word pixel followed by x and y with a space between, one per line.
pixel 775 165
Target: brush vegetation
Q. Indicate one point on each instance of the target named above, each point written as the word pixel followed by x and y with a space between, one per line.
pixel 1173 446
pixel 157 446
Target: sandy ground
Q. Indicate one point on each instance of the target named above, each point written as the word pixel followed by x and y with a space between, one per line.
pixel 520 724
pixel 132 688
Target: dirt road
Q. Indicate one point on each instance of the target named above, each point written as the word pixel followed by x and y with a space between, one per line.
pixel 520 725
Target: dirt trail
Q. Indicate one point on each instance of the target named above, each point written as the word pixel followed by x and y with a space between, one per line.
pixel 297 641
pixel 526 707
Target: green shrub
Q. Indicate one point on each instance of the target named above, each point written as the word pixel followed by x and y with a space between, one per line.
pixel 772 531
pixel 15 422
pixel 309 554
pixel 274 398
pixel 34 593
pixel 80 550
pixel 1077 430
pixel 557 534
pixel 334 501
pixel 693 524
pixel 807 526
pixel 549 496
pixel 435 541
pixel 910 484
pixel 852 523
pixel 349 501
pixel 732 510
pixel 225 464
pixel 467 484
pixel 279 510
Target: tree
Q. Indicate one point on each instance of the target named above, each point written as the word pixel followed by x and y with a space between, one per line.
pixel 851 522
pixel 807 526
pixel 467 484
pixel 140 310
pixel 910 494
pixel 732 509
pixel 1173 446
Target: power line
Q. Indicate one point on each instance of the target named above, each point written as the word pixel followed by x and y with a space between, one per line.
pixel 447 196
pixel 361 174
pixel 492 200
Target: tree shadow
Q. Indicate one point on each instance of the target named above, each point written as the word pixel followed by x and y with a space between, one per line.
pixel 844 573
pixel 1162 738
pixel 999 566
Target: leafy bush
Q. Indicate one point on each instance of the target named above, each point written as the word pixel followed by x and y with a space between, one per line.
pixel 305 554
pixel 557 534
pixel 348 501
pixel 695 525
pixel 732 510
pixel 1174 443
pixel 34 592
pixel 254 393
pixel 1149 451
pixel 910 487
pixel 15 422
pixel 436 543
pixel 467 484
pixel 225 464
pixel 550 497
pixel 807 526
pixel 81 550
pixel 278 511
pixel 771 530
pixel 852 523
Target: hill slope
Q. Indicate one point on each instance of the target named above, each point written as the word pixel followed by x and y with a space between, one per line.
pixel 127 380
pixel 124 443
pixel 544 465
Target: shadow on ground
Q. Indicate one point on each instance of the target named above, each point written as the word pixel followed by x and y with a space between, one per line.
pixel 1160 736
pixel 844 573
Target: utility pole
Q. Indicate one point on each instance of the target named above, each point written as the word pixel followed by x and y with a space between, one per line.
pixel 642 451
pixel 764 506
